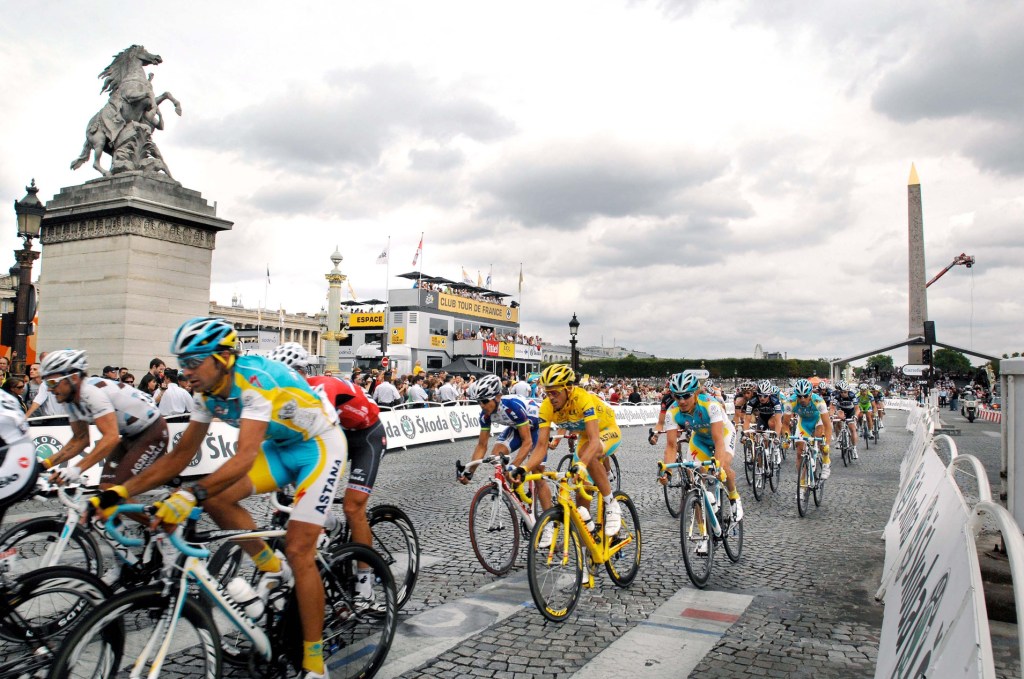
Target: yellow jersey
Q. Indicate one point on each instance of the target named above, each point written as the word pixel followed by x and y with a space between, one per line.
pixel 581 408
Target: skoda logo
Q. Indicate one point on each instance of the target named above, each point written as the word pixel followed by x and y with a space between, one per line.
pixel 456 422
pixel 46 446
pixel 407 426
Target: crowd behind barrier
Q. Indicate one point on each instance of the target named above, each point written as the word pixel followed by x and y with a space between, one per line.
pixel 935 621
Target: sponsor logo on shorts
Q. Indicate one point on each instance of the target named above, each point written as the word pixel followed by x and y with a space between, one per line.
pixel 328 492
pixel 288 410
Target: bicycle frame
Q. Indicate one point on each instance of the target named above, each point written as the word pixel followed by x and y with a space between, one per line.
pixel 699 478
pixel 521 501
pixel 600 551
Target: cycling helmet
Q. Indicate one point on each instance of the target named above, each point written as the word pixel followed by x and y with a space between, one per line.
pixel 744 386
pixel 802 388
pixel 204 336
pixel 292 354
pixel 682 384
pixel 823 385
pixel 486 388
pixel 862 386
pixel 775 389
pixel 875 387
pixel 63 362
pixel 709 383
pixel 557 376
pixel 841 385
pixel 764 388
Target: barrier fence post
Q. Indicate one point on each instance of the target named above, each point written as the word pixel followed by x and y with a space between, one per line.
pixel 1011 380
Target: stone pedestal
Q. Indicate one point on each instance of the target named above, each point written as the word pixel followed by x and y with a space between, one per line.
pixel 916 286
pixel 126 259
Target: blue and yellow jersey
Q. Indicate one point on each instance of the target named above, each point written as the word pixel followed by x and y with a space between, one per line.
pixel 269 391
pixel 807 412
pixel 581 407
pixel 706 411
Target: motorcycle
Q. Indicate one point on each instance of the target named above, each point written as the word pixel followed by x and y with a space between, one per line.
pixel 969 409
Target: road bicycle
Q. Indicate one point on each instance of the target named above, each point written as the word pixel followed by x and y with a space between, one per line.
pixel 809 479
pixel 844 441
pixel 394 539
pixel 863 431
pixel 676 485
pixel 876 426
pixel 556 570
pixel 498 512
pixel 748 457
pixel 611 462
pixel 767 460
pixel 706 519
pixel 163 630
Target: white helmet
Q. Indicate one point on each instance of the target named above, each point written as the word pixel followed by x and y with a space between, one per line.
pixel 292 354
pixel 63 362
pixel 485 388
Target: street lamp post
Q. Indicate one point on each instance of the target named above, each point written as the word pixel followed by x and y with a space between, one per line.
pixel 334 333
pixel 30 219
pixel 574 360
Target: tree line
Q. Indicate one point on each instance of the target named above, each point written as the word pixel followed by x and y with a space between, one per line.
pixel 720 368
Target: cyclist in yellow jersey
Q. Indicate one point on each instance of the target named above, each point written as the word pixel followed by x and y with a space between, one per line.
pixel 567 406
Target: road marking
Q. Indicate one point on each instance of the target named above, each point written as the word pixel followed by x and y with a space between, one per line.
pixel 993 434
pixel 671 642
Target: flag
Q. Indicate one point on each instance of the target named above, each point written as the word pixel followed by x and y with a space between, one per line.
pixel 351 291
pixel 465 277
pixel 479 279
pixel 268 274
pixel 382 258
pixel 488 281
pixel 419 250
pixel 520 278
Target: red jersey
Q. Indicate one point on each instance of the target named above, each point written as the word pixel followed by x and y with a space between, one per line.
pixel 354 410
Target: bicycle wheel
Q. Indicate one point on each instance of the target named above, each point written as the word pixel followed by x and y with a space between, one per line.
pixel 803 484
pixel 759 472
pixel 748 460
pixel 674 490
pixel 47 603
pixel 395 539
pixel 693 534
pixel 732 532
pixel 623 566
pixel 818 488
pixel 228 562
pixel 775 468
pixel 864 435
pixel 493 530
pixel 34 538
pixel 614 475
pixel 563 464
pixel 844 449
pixel 106 644
pixel 555 571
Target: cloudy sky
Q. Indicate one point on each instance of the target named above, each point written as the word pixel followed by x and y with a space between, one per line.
pixel 690 178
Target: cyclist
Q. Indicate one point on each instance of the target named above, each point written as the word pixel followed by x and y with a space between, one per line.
pixel 812 420
pixel 18 467
pixel 711 437
pixel 286 434
pixel 666 403
pixel 845 402
pixel 825 392
pixel 866 404
pixel 521 420
pixel 714 391
pixel 567 406
pixel 367 443
pixel 744 393
pixel 766 408
pixel 133 433
pixel 878 403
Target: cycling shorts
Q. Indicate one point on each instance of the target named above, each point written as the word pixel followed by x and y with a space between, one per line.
pixel 610 438
pixel 807 427
pixel 763 420
pixel 135 453
pixel 847 413
pixel 366 448
pixel 512 440
pixel 314 467
pixel 18 471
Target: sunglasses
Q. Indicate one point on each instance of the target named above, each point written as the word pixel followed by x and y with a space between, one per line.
pixel 191 362
pixel 129 382
pixel 684 397
pixel 483 401
pixel 804 396
pixel 52 382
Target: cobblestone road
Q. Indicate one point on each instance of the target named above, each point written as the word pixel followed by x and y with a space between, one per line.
pixel 812 579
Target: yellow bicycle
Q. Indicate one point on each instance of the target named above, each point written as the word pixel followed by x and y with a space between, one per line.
pixel 556 569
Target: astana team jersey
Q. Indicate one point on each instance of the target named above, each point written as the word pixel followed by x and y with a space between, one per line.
pixel 269 391
pixel 707 411
pixel 581 407
pixel 809 412
pixel 98 396
pixel 512 411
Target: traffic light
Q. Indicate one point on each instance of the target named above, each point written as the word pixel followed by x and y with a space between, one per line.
pixel 926 356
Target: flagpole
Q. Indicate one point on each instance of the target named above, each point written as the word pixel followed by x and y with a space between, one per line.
pixel 387 300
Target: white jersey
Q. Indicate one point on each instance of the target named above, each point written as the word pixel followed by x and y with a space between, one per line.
pixel 98 396
pixel 13 425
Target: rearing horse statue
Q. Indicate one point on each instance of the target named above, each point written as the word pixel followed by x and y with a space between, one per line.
pixel 123 126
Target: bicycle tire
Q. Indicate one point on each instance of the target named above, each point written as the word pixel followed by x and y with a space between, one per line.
pixel 398 546
pixel 623 566
pixel 864 435
pixel 564 462
pixel 748 461
pixel 775 473
pixel 493 530
pixel 47 603
pixel 117 630
pixel 675 490
pixel 614 473
pixel 803 484
pixel 732 533
pixel 759 472
pixel 34 537
pixel 818 489
pixel 698 567
pixel 556 583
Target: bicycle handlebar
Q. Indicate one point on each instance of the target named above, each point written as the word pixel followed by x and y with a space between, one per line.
pixel 175 537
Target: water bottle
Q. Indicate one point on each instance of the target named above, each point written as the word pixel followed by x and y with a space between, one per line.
pixel 712 499
pixel 585 515
pixel 245 596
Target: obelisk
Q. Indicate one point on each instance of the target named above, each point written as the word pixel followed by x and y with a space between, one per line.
pixel 915 267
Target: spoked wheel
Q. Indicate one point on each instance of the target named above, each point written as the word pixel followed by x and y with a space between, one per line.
pixel 775 471
pixel 614 475
pixel 493 530
pixel 732 533
pixel 675 489
pixel 695 538
pixel 803 485
pixel 864 435
pixel 622 567
pixel 819 490
pixel 556 570
pixel 34 539
pixel 395 539
pixel 759 472
pixel 563 464
pixel 748 461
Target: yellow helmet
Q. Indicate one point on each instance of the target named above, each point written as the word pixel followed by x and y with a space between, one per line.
pixel 557 376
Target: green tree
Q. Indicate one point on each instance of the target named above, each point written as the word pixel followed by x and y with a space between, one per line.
pixel 881 363
pixel 951 361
